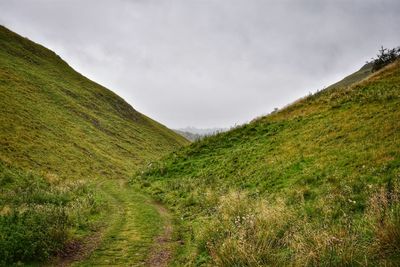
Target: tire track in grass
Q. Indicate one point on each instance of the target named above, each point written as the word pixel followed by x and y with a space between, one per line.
pixel 136 231
pixel 161 252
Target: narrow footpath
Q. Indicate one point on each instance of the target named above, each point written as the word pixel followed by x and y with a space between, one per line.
pixel 137 232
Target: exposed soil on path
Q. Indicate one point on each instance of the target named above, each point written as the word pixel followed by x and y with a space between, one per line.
pixel 78 250
pixel 161 252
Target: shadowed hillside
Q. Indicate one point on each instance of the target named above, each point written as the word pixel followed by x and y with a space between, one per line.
pixel 61 136
pixel 316 183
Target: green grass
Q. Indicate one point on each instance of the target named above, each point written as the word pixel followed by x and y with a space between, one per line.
pixel 60 136
pixel 132 224
pixel 357 76
pixel 36 215
pixel 297 187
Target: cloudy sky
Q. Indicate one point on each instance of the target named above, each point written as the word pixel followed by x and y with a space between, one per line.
pixel 209 63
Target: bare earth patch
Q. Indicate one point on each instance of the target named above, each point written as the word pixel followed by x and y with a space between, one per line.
pixel 161 252
pixel 78 250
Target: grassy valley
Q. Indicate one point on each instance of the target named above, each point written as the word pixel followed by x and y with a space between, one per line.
pixel 66 145
pixel 316 183
pixel 84 176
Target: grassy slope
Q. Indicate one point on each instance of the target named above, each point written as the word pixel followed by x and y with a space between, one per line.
pixel 53 118
pixel 61 135
pixel 323 157
pixel 357 76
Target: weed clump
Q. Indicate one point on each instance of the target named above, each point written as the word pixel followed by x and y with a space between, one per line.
pixel 37 214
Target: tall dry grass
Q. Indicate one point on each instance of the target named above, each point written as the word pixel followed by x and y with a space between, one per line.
pixel 257 232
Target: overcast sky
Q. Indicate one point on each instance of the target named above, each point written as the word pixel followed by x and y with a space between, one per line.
pixel 209 63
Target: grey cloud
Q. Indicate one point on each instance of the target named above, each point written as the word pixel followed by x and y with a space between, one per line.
pixel 209 63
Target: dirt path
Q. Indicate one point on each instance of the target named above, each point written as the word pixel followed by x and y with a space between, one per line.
pixel 161 251
pixel 77 251
pixel 137 232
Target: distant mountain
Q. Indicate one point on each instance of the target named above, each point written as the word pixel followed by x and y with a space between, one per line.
pixel 193 133
pixel 189 136
pixel 202 131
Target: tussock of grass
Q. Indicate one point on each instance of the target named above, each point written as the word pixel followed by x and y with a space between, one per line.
pixel 304 180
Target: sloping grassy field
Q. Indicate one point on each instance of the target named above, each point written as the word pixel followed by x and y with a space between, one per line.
pixel 61 137
pixel 316 183
pixel 53 118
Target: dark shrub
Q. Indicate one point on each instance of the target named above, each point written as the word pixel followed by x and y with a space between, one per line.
pixel 385 57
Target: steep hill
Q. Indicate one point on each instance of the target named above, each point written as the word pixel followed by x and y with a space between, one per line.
pixel 61 136
pixel 316 183
pixel 53 118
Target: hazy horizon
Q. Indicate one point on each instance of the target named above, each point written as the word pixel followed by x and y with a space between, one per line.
pixel 209 63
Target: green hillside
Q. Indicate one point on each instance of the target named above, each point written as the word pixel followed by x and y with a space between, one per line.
pixel 53 118
pixel 316 183
pixel 357 76
pixel 61 137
